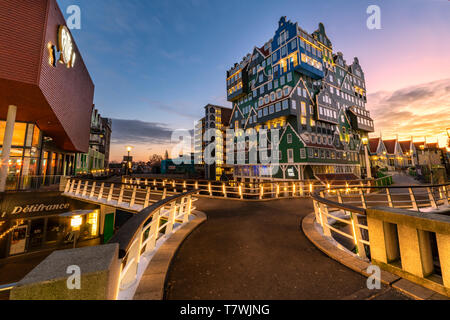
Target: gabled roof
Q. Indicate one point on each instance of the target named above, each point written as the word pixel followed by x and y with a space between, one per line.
pixel 373 144
pixel 405 145
pixel 390 146
pixel 418 144
pixel 433 145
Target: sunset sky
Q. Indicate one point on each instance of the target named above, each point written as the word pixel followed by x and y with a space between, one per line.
pixel 156 64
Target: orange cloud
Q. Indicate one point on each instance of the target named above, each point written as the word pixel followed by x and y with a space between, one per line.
pixel 419 111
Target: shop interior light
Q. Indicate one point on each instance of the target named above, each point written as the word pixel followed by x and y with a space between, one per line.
pixel 76 221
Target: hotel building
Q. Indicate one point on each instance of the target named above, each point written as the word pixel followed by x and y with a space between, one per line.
pixel 297 83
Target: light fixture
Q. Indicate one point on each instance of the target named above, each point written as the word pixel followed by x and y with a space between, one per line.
pixel 76 221
pixel 365 141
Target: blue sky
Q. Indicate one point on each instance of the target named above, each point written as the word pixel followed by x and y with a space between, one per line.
pixel 159 62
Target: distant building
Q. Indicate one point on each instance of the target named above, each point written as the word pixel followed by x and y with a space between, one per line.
pixel 218 119
pixel 96 160
pixel 392 154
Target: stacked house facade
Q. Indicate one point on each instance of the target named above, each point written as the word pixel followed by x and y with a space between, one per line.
pixel 297 83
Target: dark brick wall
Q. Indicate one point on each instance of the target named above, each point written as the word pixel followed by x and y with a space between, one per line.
pixel 21 32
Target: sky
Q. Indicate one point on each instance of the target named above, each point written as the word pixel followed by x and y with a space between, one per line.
pixel 156 64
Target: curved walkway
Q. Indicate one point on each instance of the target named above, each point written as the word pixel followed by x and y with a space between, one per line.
pixel 256 250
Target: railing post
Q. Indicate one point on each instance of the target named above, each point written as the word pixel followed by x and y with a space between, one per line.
pixel 110 193
pixel 184 186
pixel 133 197
pixel 389 196
pixel 78 188
pixel 86 183
pixel 210 189
pixel 339 196
pixel 119 201
pixel 363 199
pixel 196 186
pixel 67 186
pixel 154 232
pixel 164 194
pixel 171 219
pixel 261 192
pixel 413 199
pixel 100 194
pixel 323 211
pixel 134 254
pixel 317 213
pixel 72 186
pixel 93 189
pixel 293 189
pixel 302 192
pixel 241 194
pixel 278 191
pixel 357 235
pixel 147 197
pixel 431 196
pixel 187 212
pixel 445 195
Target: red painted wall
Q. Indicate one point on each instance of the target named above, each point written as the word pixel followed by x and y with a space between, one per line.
pixel 59 99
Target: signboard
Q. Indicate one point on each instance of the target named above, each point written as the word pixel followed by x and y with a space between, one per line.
pixel 64 53
pixel 29 205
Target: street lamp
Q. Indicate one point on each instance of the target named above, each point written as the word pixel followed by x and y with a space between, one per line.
pixel 365 142
pixel 128 159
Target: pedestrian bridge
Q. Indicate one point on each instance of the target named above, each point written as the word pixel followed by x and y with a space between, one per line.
pixel 255 249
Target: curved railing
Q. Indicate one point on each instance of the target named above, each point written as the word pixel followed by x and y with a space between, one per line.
pixel 135 197
pixel 145 231
pixel 348 206
pixel 251 190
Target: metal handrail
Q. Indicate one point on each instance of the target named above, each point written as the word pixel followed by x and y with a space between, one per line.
pixel 338 205
pixel 126 234
pixel 8 287
pixel 353 213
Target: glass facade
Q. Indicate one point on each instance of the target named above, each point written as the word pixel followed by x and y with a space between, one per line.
pixel 33 161
pixel 51 232
pixel 25 153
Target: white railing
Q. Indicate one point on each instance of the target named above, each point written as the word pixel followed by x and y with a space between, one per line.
pixel 247 190
pixel 348 205
pixel 401 214
pixel 122 195
pixel 144 233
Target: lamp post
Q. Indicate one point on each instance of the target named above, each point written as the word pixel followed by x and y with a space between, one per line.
pixel 365 142
pixel 128 160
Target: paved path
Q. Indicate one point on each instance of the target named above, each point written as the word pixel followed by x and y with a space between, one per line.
pixel 256 250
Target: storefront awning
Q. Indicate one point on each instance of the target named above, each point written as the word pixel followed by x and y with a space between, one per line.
pixel 75 213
